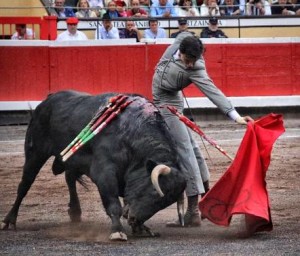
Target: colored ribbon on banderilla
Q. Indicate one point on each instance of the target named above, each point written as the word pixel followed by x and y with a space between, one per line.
pixel 99 121
pixel 197 129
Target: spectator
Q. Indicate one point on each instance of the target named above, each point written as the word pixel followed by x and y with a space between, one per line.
pixel 145 5
pixel 71 33
pixel 23 33
pixel 136 10
pixel 210 8
pixel 61 10
pixel 154 31
pixel 162 8
pixel 107 30
pixel 229 8
pixel 131 31
pixel 121 5
pixel 112 10
pixel 242 6
pixel 198 3
pixel 182 26
pixel 71 3
pixel 116 1
pixel 296 4
pixel 282 7
pixel 84 11
pixel 258 8
pixel 187 9
pixel 98 7
pixel 212 30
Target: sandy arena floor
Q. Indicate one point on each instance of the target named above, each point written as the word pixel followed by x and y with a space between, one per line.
pixel 43 226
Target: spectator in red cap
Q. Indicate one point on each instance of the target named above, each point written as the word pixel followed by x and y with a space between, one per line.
pixel 71 33
pixel 121 5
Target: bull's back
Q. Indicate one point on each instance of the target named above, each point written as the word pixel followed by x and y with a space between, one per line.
pixel 59 118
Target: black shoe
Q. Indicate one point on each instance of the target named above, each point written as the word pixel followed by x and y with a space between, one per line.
pixel 189 221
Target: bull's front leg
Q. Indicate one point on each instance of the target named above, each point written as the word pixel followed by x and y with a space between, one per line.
pixel 113 209
pixel 107 185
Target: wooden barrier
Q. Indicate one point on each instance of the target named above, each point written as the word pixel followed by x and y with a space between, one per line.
pixel 29 71
pixel 43 28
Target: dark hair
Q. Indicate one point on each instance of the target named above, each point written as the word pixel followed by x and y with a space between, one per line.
pixel 22 25
pixel 106 16
pixel 192 47
pixel 181 3
pixel 152 21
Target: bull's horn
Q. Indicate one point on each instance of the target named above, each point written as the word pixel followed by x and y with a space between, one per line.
pixel 158 170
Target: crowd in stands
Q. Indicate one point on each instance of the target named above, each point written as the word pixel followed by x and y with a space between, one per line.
pixel 173 8
pixel 109 10
pixel 108 31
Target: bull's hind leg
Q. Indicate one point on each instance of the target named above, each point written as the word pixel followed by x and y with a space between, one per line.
pixel 31 168
pixel 74 204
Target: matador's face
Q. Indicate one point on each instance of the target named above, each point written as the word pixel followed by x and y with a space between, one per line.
pixel 188 62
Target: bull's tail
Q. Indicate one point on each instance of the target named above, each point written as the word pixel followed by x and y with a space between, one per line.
pixel 83 181
pixel 58 167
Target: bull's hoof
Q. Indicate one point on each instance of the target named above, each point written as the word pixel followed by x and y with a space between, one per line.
pixel 6 225
pixel 75 219
pixel 118 236
pixel 75 216
pixel 143 231
pixel 146 234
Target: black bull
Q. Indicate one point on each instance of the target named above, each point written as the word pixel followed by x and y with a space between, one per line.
pixel 119 160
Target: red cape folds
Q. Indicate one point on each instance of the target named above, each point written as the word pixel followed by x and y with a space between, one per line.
pixel 242 189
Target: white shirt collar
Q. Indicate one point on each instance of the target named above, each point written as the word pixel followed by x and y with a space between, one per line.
pixel 176 55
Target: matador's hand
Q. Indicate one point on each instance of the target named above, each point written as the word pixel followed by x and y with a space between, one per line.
pixel 243 119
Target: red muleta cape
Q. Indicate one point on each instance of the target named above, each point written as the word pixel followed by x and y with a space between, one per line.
pixel 242 189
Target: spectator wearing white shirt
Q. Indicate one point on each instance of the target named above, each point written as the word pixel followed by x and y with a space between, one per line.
pixel 96 3
pixel 210 8
pixel 154 31
pixel 23 33
pixel 107 30
pixel 84 11
pixel 258 8
pixel 71 33
pixel 98 7
pixel 186 9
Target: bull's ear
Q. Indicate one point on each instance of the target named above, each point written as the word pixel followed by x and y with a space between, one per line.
pixel 150 165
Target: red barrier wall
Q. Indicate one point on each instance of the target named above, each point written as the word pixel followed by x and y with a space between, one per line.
pixel 31 72
pixel 24 73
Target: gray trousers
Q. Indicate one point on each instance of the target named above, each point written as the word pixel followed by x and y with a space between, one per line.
pixel 191 160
